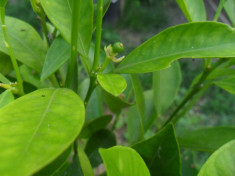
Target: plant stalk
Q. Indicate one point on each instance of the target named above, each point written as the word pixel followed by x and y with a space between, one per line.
pixel 98 34
pixel 219 9
pixel 11 53
pixel 195 89
pixel 76 4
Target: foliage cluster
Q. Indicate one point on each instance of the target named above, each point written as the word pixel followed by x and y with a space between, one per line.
pixel 62 95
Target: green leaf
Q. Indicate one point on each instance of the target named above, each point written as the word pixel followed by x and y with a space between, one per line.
pixel 133 121
pixel 193 10
pixel 60 14
pixel 166 84
pixel 5 64
pixel 5 98
pixel 113 83
pixel 140 101
pixel 115 104
pixel 85 163
pixel 229 7
pixel 161 153
pixel 36 128
pixel 191 40
pixel 210 138
pixel 95 125
pixel 3 79
pixel 227 84
pixel 102 138
pixel 94 107
pixel 123 161
pixel 32 77
pixel 221 162
pixel 27 45
pixel 57 55
pixel 188 164
pixel 56 164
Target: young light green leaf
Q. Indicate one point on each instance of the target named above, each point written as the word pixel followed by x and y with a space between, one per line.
pixel 45 121
pixel 59 12
pixel 161 153
pixel 56 56
pixel 191 40
pixel 140 102
pixel 123 161
pixel 27 44
pixel 85 163
pixel 56 164
pixel 227 84
pixel 166 84
pixel 229 7
pixel 221 162
pixel 95 125
pixel 113 83
pixel 210 138
pixel 193 10
pixel 5 98
pixel 102 138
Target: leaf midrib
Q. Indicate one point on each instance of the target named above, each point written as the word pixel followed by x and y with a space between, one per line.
pixel 175 54
pixel 40 122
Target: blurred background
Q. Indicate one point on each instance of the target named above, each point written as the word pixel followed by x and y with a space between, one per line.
pixel 134 21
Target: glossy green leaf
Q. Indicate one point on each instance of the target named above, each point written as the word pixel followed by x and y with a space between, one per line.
pixel 115 104
pixel 56 164
pixel 221 162
pixel 227 84
pixel 166 84
pixel 193 10
pixel 229 7
pixel 56 56
pixel 43 124
pixel 113 83
pixel 123 161
pixel 85 163
pixel 27 45
pixel 161 153
pixel 5 98
pixel 102 138
pixel 95 125
pixel 5 64
pixel 210 138
pixel 59 12
pixel 191 40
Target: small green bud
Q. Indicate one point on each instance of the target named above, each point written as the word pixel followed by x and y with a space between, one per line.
pixel 118 47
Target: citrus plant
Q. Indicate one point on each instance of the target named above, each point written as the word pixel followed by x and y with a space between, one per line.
pixel 62 95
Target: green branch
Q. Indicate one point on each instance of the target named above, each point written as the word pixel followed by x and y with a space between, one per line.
pixel 98 34
pixel 194 90
pixel 74 40
pixel 11 53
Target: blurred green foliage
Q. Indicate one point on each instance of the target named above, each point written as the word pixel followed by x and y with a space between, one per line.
pixel 144 14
